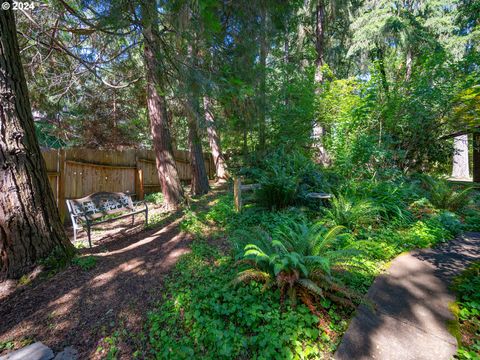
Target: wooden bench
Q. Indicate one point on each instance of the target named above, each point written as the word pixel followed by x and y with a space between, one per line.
pixel 102 207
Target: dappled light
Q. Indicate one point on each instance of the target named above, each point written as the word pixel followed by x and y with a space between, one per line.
pixel 240 179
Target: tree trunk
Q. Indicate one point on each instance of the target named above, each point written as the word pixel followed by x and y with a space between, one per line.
pixel 409 65
pixel 476 156
pixel 214 140
pixel 380 55
pixel 263 80
pixel 318 130
pixel 460 158
pixel 157 110
pixel 319 41
pixel 30 226
pixel 199 184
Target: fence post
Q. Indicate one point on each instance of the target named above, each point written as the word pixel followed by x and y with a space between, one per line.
pixel 61 183
pixel 139 190
pixel 237 193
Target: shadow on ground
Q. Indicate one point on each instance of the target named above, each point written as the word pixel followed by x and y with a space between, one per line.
pixel 411 306
pixel 78 308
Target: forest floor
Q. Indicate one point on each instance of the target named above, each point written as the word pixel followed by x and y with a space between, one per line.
pixel 86 308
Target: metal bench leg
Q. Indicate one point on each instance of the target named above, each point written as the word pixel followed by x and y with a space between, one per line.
pixel 133 219
pixel 146 216
pixel 89 236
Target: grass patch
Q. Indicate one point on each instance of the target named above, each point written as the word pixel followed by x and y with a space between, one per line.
pixel 85 262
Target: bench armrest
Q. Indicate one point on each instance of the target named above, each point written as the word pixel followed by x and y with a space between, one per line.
pixel 138 203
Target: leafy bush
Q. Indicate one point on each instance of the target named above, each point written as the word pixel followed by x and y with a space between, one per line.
pixel 389 197
pixel 57 260
pixel 443 196
pixel 278 189
pixel 155 198
pixel 471 220
pixel 422 207
pixel 267 221
pixel 467 287
pixel 285 178
pixel 298 260
pixel 191 222
pixel 85 262
pixel 351 213
pixel 428 232
pixel 222 211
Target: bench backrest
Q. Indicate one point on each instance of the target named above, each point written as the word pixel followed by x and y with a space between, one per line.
pixel 100 204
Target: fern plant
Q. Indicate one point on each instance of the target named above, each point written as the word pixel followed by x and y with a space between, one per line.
pixel 300 261
pixel 351 214
pixel 442 196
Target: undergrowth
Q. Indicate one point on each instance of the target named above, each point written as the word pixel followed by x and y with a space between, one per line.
pixel 206 313
pixel 467 287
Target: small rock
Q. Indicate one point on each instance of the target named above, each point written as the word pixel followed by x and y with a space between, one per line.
pixel 69 353
pixel 36 351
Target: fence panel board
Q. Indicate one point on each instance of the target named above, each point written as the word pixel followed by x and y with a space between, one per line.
pixel 77 172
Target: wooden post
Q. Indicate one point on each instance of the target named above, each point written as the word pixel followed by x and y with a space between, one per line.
pixel 476 156
pixel 61 183
pixel 139 190
pixel 237 193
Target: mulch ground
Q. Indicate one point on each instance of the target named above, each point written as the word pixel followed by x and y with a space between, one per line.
pixel 81 308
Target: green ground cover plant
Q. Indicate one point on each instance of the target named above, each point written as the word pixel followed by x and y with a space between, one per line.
pixel 266 292
pixel 467 287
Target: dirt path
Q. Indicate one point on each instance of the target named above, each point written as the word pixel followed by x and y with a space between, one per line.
pixel 411 306
pixel 78 308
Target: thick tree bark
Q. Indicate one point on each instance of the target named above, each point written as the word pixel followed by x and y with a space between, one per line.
pixel 157 110
pixel 30 226
pixel 476 156
pixel 214 140
pixel 460 169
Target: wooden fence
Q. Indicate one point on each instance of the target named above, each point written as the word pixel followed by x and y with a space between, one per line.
pixel 74 173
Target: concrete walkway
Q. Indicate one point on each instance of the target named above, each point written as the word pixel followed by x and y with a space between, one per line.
pixel 411 306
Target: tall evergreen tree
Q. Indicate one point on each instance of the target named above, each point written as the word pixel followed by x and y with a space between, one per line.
pixel 30 226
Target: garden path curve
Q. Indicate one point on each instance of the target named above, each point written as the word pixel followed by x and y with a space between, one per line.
pixel 410 310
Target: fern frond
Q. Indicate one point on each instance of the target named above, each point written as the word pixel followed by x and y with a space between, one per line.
pixel 249 275
pixel 311 286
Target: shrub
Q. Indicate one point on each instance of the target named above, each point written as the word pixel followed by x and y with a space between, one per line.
pixel 298 260
pixel 85 262
pixel 422 207
pixel 443 196
pixel 471 219
pixel 389 197
pixel 155 198
pixel 285 178
pixel 267 221
pixel 222 211
pixel 278 189
pixel 351 214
